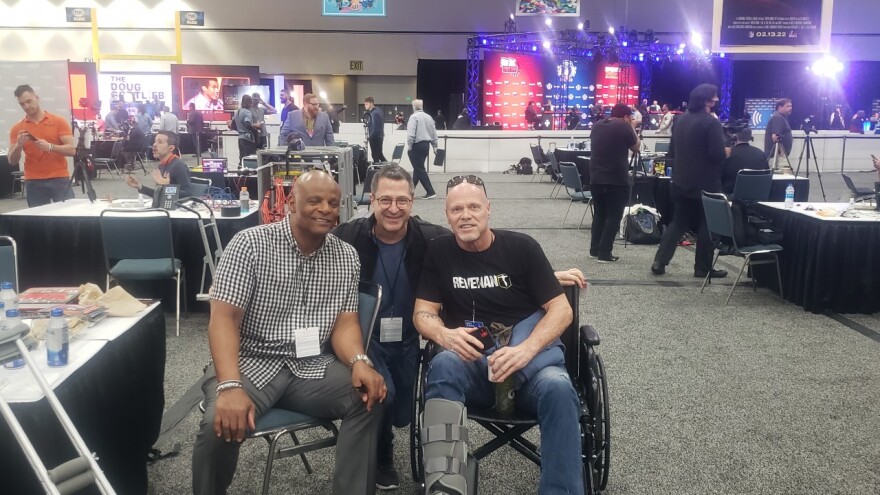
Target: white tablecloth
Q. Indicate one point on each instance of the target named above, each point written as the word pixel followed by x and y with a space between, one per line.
pixel 854 215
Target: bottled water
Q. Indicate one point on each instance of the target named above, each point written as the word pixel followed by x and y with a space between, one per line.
pixel 57 339
pixel 13 324
pixel 789 196
pixel 8 295
pixel 245 198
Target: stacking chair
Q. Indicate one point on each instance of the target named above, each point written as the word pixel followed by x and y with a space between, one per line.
pixel 587 373
pixel 397 154
pixel 857 193
pixel 9 261
pixel 753 185
pixel 18 178
pixel 720 222
pixel 111 163
pixel 571 180
pixel 277 423
pixel 540 159
pixel 553 170
pixel 363 199
pixel 200 186
pixel 138 245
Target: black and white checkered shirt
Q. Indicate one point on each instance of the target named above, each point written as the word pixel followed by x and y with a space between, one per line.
pixel 263 271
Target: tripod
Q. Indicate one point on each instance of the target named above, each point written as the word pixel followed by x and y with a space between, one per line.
pixel 81 159
pixel 634 164
pixel 810 151
pixel 775 156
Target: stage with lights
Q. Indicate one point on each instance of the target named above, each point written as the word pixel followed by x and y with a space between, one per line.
pixel 560 70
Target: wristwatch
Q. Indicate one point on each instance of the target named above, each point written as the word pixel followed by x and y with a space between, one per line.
pixel 360 357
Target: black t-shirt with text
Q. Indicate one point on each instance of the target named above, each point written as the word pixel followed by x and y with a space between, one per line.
pixel 506 283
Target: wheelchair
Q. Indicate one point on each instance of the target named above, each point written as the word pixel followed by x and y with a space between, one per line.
pixel 587 372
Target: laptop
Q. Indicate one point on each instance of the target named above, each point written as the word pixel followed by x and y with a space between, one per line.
pixel 214 165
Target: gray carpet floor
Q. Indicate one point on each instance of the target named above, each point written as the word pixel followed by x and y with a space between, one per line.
pixel 757 397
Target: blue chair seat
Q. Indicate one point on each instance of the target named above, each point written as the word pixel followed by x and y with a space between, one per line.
pixel 277 419
pixel 761 248
pixel 581 196
pixel 144 269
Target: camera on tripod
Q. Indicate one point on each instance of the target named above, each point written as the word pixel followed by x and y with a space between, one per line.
pixel 733 127
pixel 808 126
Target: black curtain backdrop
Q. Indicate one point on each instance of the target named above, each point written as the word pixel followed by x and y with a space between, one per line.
pixel 672 82
pixel 437 81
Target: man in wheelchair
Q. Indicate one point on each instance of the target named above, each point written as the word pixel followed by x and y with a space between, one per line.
pixel 480 277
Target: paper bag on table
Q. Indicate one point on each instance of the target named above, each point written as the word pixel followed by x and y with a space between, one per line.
pixel 117 301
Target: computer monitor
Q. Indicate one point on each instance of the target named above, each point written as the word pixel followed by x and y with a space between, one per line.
pixel 661 146
pixel 216 165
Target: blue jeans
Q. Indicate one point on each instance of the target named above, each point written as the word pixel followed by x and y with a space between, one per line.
pixel 549 395
pixel 44 191
pixel 397 363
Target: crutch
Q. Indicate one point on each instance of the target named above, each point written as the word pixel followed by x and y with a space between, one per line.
pixel 68 477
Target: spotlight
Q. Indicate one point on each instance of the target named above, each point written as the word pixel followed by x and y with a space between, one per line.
pixel 625 43
pixel 722 54
pixel 546 45
pixel 827 67
pixel 641 57
pixel 679 51
pixel 682 46
pixel 323 95
pixel 512 17
pixel 611 30
pixel 484 41
pixel 548 22
pixel 534 48
pixel 696 39
pixel 580 26
pixel 706 51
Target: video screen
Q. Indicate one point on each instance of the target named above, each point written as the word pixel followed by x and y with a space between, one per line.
pixel 205 92
pixel 202 86
pixel 232 95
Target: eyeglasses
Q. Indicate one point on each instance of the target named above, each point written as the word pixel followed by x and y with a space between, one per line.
pixel 470 179
pixel 386 202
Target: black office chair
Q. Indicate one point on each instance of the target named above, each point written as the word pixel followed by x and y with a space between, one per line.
pixel 753 185
pixel 857 193
pixel 719 219
pixel 587 372
pixel 363 199
pixel 278 423
pixel 200 187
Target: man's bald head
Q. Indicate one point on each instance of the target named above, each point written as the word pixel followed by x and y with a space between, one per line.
pixel 314 205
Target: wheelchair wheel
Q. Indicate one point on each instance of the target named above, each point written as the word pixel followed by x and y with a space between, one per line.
pixel 602 430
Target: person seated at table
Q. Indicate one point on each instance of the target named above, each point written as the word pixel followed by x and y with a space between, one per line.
pixel 172 170
pixel 284 331
pixel 500 277
pixel 743 156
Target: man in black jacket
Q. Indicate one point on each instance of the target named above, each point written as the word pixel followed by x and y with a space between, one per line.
pixel 743 156
pixel 375 129
pixel 391 245
pixel 697 145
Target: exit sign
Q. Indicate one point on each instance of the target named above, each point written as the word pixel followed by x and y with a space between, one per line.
pixel 356 65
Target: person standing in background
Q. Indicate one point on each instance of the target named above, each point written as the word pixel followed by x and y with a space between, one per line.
pixel 143 121
pixel 779 130
pixel 611 140
pixel 44 140
pixel 309 124
pixel 110 122
pixel 375 129
pixel 248 130
pixel 195 124
pixel 857 124
pixel 334 115
pixel 666 121
pixel 420 134
pixel 168 122
pixel 697 146
pixel 260 117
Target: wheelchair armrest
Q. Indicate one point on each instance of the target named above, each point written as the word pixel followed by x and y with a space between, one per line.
pixel 589 335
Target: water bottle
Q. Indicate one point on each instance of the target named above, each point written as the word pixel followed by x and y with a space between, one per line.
pixel 57 339
pixel 789 196
pixel 14 324
pixel 245 198
pixel 17 362
pixel 8 296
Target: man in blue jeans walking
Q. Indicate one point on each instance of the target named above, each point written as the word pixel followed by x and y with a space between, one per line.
pixel 480 276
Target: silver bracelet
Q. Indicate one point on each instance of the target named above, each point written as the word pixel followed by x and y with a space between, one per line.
pixel 229 384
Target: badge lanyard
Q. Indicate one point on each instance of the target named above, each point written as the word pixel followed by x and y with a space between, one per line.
pixel 392 283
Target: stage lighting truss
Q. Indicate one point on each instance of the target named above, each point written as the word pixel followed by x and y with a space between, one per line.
pixel 626 46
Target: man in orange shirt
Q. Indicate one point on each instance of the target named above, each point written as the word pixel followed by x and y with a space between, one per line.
pixel 45 139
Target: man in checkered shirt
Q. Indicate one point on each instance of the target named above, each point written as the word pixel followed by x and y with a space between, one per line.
pixel 281 291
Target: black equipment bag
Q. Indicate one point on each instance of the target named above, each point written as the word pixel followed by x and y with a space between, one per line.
pixel 524 167
pixel 642 227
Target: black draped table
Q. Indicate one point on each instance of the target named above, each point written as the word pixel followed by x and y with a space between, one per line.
pixel 6 181
pixel 113 391
pixel 60 244
pixel 828 264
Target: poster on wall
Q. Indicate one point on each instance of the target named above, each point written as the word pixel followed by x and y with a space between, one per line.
pixel 359 8
pixel 154 89
pixel 560 8
pixel 510 82
pixel 772 26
